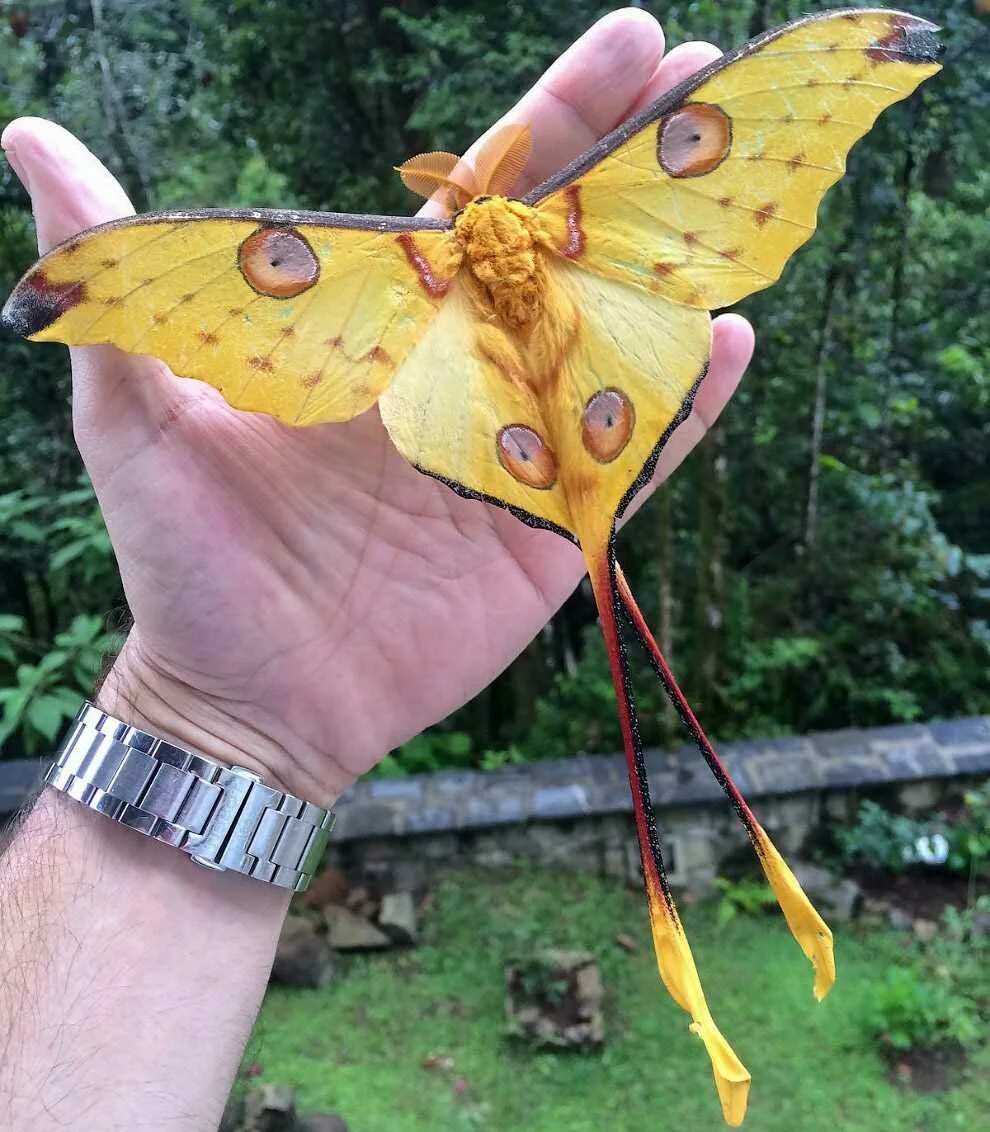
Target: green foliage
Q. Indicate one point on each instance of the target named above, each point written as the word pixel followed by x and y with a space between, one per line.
pixel 51 650
pixel 969 834
pixel 387 1012
pixel 906 1011
pixel 881 839
pixel 750 897
pixel 876 612
pixel 47 694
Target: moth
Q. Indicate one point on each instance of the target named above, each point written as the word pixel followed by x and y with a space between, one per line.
pixel 534 353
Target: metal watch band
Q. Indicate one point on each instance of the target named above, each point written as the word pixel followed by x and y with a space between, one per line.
pixel 223 817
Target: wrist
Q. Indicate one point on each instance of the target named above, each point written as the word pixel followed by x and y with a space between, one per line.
pixel 140 693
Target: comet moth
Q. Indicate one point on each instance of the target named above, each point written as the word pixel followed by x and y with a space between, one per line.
pixel 534 353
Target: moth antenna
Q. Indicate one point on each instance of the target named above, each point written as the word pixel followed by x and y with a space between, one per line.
pixel 502 158
pixel 674 959
pixel 427 174
pixel 808 928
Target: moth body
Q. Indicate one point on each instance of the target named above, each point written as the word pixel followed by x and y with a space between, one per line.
pixel 500 239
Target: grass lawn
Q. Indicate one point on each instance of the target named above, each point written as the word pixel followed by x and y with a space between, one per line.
pixel 357 1047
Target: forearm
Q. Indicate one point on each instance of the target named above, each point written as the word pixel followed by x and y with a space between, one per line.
pixel 129 979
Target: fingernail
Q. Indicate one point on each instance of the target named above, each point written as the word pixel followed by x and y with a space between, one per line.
pixel 15 164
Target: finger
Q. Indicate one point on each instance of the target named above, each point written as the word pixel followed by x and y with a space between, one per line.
pixel 732 348
pixel 677 65
pixel 584 94
pixel 72 190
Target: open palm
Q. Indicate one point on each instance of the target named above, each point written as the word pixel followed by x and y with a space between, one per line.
pixel 304 600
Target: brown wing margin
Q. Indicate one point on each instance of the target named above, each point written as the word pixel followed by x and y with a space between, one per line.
pixel 921 45
pixel 273 217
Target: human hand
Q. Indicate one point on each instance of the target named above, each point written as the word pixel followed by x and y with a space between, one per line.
pixel 303 599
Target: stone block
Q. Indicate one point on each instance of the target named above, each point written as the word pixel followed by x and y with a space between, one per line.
pixel 967 734
pixel 303 957
pixel 348 931
pixel 554 999
pixel 397 917
pixel 560 801
pixel 916 798
pixel 270 1108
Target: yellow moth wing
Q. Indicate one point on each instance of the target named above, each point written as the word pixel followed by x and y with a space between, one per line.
pixel 462 384
pixel 704 196
pixel 304 321
pixel 466 382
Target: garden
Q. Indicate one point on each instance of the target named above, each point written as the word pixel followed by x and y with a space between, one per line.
pixel 821 561
pixel 420 1028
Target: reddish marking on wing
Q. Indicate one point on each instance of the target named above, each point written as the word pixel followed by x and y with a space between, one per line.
pixel 664 268
pixel 264 364
pixel 576 243
pixel 160 318
pixel 378 354
pixel 421 265
pixel 108 263
pixel 825 118
pixel 766 212
pixel 794 163
pixel 726 202
pixel 892 48
pixel 208 338
pixel 690 238
pixel 335 343
pixel 37 303
pixel 730 253
pixel 312 380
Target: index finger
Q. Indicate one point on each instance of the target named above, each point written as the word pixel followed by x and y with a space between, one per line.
pixel 586 92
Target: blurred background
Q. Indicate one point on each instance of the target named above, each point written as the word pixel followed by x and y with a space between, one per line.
pixel 821 561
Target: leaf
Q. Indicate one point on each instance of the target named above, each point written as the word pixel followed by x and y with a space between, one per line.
pixel 45 714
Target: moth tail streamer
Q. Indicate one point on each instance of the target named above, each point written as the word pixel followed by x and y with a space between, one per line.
pixel 806 925
pixel 674 959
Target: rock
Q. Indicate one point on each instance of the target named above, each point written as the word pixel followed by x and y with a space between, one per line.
pixel 837 898
pixel 270 1108
pixel 408 875
pixel 357 896
pixel 555 999
pixel 303 957
pixel 397 917
pixel 843 902
pixel 330 887
pixel 350 932
pixel 924 930
pixel 899 920
pixel 322 1122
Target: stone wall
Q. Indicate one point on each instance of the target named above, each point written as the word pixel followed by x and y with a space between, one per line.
pixel 577 812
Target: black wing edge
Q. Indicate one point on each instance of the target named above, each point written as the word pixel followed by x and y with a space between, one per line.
pixel 921 45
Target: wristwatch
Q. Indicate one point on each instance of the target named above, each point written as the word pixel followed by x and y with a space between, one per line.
pixel 223 817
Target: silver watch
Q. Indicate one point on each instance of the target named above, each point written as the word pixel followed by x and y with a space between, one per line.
pixel 223 817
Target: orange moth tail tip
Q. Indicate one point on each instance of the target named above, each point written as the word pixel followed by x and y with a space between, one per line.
pixel 811 932
pixel 732 1078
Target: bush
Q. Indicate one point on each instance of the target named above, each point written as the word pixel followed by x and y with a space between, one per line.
pixel 906 1010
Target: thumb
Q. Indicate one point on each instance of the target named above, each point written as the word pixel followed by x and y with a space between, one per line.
pixel 116 396
pixel 70 188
